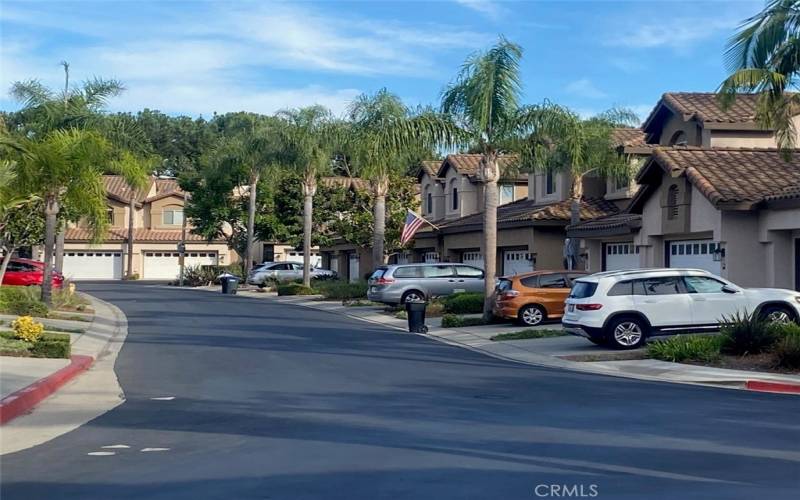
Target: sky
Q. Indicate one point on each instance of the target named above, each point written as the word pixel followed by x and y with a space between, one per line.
pixel 200 57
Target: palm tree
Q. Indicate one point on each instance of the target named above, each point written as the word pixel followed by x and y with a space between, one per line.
pixel 308 141
pixel 64 167
pixel 251 143
pixel 764 57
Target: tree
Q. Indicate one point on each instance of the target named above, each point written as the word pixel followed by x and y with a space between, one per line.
pixel 764 57
pixel 21 226
pixel 64 167
pixel 308 134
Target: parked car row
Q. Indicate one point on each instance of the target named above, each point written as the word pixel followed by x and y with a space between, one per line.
pixel 28 272
pixel 617 308
pixel 265 272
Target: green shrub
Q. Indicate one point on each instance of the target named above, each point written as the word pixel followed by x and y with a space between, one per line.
pixel 50 345
pixel 686 348
pixel 746 333
pixel 20 300
pixel 463 303
pixel 64 299
pixel 14 347
pixel 340 290
pixel 294 289
pixel 455 321
pixel 787 348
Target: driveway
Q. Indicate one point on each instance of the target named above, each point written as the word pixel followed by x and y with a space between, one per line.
pixel 278 401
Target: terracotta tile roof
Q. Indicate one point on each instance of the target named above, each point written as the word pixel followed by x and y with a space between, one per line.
pixel 117 188
pixel 621 221
pixel 785 194
pixel 734 175
pixel 431 167
pixel 705 108
pixel 139 234
pixel 164 188
pixel 526 210
pixel 629 137
pixel 467 164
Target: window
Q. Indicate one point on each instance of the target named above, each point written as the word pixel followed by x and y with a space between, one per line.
pixel 506 193
pixel 621 288
pixel 701 284
pixel 408 272
pixel 438 271
pixel 469 272
pixel 454 198
pixel 504 285
pixel 678 139
pixel 583 290
pixel 552 281
pixel 172 216
pixel 110 215
pixel 662 286
pixel 429 202
pixel 378 273
pixel 530 282
pixel 672 202
pixel 549 183
pixel 622 182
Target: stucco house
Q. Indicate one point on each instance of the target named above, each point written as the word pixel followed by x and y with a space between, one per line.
pixel 157 223
pixel 715 194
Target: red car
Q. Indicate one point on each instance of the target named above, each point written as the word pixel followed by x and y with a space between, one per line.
pixel 26 272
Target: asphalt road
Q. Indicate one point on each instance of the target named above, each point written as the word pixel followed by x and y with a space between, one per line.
pixel 282 402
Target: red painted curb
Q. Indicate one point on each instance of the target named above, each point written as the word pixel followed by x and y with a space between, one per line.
pixel 764 386
pixel 22 401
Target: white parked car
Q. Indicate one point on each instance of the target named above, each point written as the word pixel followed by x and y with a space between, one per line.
pixel 283 271
pixel 623 308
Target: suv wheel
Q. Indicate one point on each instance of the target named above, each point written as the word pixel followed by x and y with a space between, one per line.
pixel 413 296
pixel 777 314
pixel 627 332
pixel 531 315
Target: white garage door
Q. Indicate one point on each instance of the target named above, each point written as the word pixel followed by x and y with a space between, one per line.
pixel 516 262
pixel 93 265
pixel 621 256
pixel 166 265
pixel 472 258
pixel 316 259
pixel 695 254
pixel 431 257
pixel 353 261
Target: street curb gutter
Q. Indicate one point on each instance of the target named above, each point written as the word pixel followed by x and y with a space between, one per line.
pixel 25 399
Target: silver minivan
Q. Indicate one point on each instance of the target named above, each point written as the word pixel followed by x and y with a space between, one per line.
pixel 395 284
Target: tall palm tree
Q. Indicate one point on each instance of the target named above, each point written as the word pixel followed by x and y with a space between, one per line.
pixel 764 57
pixel 308 137
pixel 64 167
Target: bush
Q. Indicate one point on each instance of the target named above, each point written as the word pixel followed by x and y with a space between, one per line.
pixel 294 289
pixel 454 321
pixel 463 303
pixel 50 345
pixel 747 334
pixel 340 290
pixel 25 328
pixel 20 300
pixel 66 299
pixel 14 347
pixel 686 348
pixel 787 348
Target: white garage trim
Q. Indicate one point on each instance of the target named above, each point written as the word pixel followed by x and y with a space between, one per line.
pixel 160 265
pixel 620 255
pixel 92 265
pixel 695 254
pixel 517 262
pixel 431 257
pixel 472 259
pixel 316 259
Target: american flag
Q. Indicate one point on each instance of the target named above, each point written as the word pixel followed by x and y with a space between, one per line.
pixel 413 223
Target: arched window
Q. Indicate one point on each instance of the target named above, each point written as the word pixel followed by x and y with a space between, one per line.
pixel 429 202
pixel 455 198
pixel 678 139
pixel 672 202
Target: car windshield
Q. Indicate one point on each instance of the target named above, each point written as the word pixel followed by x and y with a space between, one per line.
pixel 583 289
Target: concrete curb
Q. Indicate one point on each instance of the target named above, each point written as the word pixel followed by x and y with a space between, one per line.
pixel 25 399
pixel 776 387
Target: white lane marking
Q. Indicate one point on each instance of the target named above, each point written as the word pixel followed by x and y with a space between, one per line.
pixel 101 453
pixel 163 398
pixel 115 446
pixel 145 450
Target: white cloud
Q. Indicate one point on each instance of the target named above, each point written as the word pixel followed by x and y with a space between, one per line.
pixel 489 8
pixel 675 33
pixel 585 88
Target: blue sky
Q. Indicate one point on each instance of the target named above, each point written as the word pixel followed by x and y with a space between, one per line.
pixel 188 57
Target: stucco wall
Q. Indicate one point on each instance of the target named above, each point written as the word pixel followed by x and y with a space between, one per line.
pixel 741 139
pixel 675 124
pixel 156 212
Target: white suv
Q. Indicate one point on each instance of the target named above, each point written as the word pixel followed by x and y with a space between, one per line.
pixel 623 308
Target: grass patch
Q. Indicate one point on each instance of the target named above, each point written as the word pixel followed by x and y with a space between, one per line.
pixel 787 349
pixel 64 300
pixel 21 300
pixel 51 345
pixel 14 347
pixel 530 334
pixel 340 290
pixel 70 317
pixel 455 321
pixel 686 348
pixel 359 303
pixel 63 330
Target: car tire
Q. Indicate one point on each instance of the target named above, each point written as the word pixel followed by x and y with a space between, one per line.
pixel 777 314
pixel 627 332
pixel 412 294
pixel 531 315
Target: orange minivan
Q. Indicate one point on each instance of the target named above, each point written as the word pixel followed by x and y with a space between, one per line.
pixel 533 297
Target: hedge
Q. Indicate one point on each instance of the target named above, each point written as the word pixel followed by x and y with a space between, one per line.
pixel 22 301
pixel 454 321
pixel 463 303
pixel 294 289
pixel 340 290
pixel 51 345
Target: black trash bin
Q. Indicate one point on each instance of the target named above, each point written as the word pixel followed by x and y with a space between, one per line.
pixel 416 316
pixel 229 284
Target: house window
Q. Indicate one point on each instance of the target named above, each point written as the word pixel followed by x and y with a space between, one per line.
pixel 454 198
pixel 678 139
pixel 172 216
pixel 621 182
pixel 549 182
pixel 672 202
pixel 429 202
pixel 110 215
pixel 506 193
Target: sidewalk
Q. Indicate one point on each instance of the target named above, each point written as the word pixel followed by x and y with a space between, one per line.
pixel 552 352
pixel 26 382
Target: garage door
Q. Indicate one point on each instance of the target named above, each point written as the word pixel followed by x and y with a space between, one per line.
pixel 353 270
pixel 516 262
pixel 93 265
pixel 695 254
pixel 431 257
pixel 473 259
pixel 316 259
pixel 166 265
pixel 620 256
